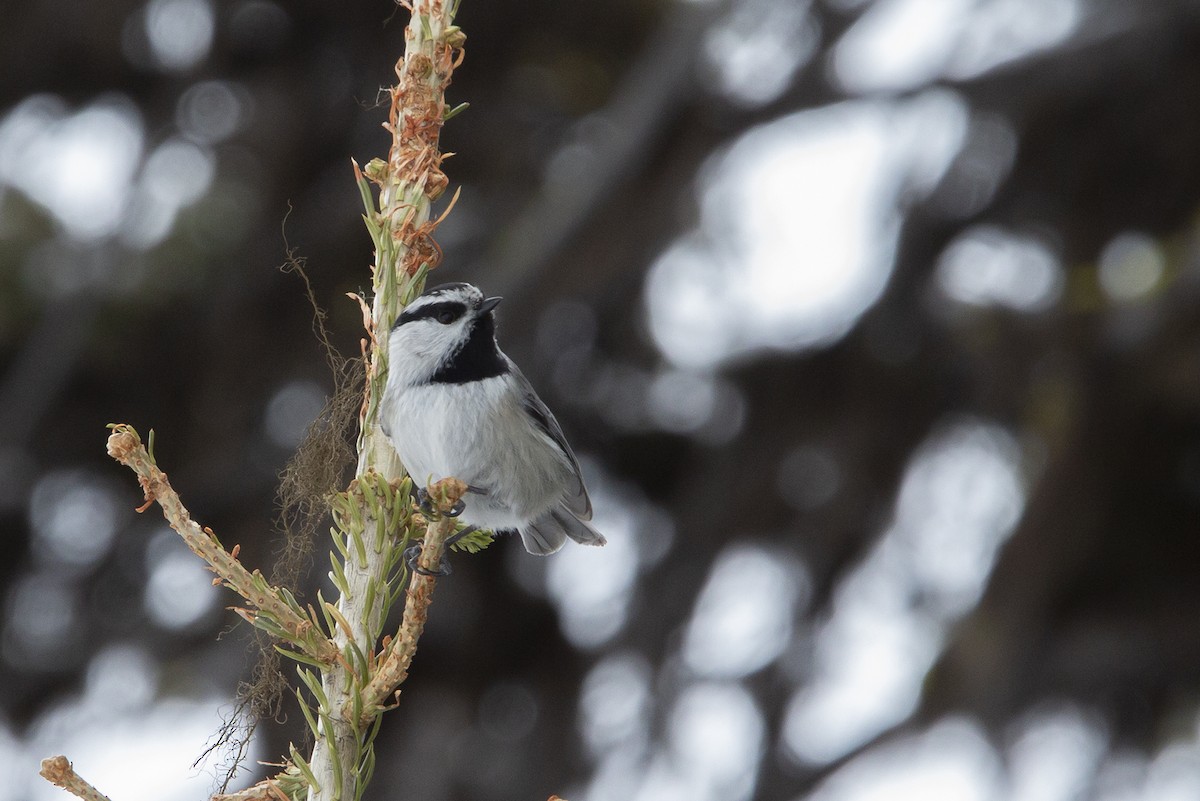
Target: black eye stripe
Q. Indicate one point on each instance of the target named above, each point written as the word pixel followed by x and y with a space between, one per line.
pixel 432 310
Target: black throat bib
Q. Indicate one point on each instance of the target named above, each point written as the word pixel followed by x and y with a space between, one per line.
pixel 477 359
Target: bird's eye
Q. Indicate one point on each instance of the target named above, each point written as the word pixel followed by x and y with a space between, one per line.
pixel 446 316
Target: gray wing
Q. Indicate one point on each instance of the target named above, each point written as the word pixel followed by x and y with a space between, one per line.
pixel 575 499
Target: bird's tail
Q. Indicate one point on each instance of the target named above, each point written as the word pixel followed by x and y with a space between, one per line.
pixel 548 533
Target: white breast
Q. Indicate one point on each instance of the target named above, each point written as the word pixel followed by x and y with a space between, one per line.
pixel 478 434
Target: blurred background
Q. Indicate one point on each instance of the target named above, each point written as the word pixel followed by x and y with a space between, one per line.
pixel 874 325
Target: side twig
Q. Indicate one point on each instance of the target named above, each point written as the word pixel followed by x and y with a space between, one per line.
pixel 275 609
pixel 391 668
pixel 58 771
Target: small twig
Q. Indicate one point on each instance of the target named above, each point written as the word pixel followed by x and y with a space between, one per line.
pixel 58 771
pixel 126 447
pixel 392 667
pixel 267 790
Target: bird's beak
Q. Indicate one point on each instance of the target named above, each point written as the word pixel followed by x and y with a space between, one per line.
pixel 487 306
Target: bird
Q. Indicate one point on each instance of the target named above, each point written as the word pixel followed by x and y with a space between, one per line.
pixel 455 405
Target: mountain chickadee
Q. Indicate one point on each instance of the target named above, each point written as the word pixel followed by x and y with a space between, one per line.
pixel 455 405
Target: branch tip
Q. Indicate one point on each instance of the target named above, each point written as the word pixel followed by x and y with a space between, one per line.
pixel 123 442
pixel 58 771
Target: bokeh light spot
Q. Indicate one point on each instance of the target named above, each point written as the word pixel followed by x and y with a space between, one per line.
pixel 716 734
pixel 960 498
pixel 950 762
pixel 209 112
pixel 121 678
pixel 1054 753
pixel 79 167
pixel 39 622
pixel 798 226
pixel 756 49
pixel 74 518
pixel 1131 266
pixel 743 616
pixel 989 266
pixel 179 591
pixel 291 410
pixel 615 703
pixel 180 32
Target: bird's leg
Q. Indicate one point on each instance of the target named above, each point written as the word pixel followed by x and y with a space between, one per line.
pixel 413 552
pixel 453 538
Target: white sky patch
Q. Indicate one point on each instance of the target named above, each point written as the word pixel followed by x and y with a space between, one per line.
pixel 1121 777
pixel 1054 754
pixel 161 740
pixel 952 761
pixel 756 48
pixel 899 45
pixel 615 704
pixel 870 662
pixel 990 266
pixel 960 499
pixel 79 166
pixel 121 678
pixel 85 168
pixel 1000 31
pixel 716 735
pixel 1174 774
pixel 130 744
pixel 591 586
pixel 16 770
pixel 743 615
pixel 798 225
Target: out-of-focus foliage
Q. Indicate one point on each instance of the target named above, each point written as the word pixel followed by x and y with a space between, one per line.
pixel 874 324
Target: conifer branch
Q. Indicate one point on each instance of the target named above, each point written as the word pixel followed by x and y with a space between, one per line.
pixel 275 609
pixel 348 676
pixel 401 226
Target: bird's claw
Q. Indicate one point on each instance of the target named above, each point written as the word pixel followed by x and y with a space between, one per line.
pixel 426 505
pixel 413 552
pixel 424 502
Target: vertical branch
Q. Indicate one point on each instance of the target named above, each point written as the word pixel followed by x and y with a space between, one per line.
pixel 348 680
pixel 409 181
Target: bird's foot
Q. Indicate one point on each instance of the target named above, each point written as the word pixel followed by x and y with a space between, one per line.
pixel 426 505
pixel 413 552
